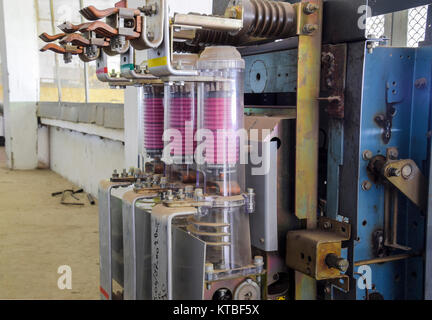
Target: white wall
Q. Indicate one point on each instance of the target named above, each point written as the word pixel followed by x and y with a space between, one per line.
pixel 84 159
pixel 2 133
pixel 196 6
pixel 20 70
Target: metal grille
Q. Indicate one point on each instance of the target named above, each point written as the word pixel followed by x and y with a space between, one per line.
pixel 375 26
pixel 417 18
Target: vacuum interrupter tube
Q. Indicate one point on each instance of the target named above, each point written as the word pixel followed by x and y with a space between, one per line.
pixel 153 123
pixel 222 116
pixel 180 119
pixel 225 226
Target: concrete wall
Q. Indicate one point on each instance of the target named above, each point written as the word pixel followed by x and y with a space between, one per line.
pixel 84 159
pixel 20 71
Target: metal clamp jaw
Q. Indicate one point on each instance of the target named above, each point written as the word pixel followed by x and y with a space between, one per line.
pixel 402 175
pixel 317 252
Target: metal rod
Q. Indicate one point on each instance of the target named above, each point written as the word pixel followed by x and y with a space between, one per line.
pixel 386 215
pixel 59 90
pixel 208 22
pixel 86 69
pixel 395 215
pixel 387 259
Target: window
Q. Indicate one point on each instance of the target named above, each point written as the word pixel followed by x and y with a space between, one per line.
pixel 1 82
pixel 417 18
pixel 67 82
pixel 375 26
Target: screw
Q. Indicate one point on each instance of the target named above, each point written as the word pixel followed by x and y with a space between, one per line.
pixel 232 13
pixel 209 270
pixel 67 57
pixel 394 154
pixel 309 28
pixel 115 174
pixel 327 225
pixel 421 83
pixel 310 8
pixel 333 261
pixel 367 155
pixel 327 290
pixel 149 10
pixel 407 171
pixel 393 172
pixel 366 185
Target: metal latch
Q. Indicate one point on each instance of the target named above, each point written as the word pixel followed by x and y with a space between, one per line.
pixel 317 252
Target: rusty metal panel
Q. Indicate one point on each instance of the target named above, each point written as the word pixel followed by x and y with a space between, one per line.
pixel 309 67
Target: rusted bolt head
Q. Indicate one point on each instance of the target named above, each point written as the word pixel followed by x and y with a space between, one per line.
pixel 309 28
pixel 367 155
pixel 394 154
pixel 421 83
pixel 366 185
pixel 327 225
pixel 406 171
pixel 232 13
pixel 393 172
pixel 311 8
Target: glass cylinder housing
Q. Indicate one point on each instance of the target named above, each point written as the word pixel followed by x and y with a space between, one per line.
pixel 153 119
pixel 222 117
pixel 181 121
pixel 224 226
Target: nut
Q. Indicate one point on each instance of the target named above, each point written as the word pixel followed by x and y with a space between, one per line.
pixel 366 185
pixel 407 171
pixel 367 155
pixel 310 8
pixel 309 28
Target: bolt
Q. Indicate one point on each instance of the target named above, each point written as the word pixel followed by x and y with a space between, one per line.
pixel 421 83
pixel 367 155
pixel 407 171
pixel 258 261
pixel 189 191
pixel 150 35
pixel 232 13
pixel 327 290
pixel 310 8
pixel 115 174
pixel 393 172
pixel 209 270
pixel 327 225
pixel 149 10
pixel 333 261
pixel 67 57
pixel 393 154
pixel 309 28
pixel 366 185
pixel 198 194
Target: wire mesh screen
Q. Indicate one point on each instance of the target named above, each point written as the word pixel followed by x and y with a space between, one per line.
pixel 417 18
pixel 375 26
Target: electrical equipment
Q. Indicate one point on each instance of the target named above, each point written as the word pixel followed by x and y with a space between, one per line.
pixel 333 185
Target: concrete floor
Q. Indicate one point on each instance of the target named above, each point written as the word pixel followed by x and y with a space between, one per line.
pixel 38 234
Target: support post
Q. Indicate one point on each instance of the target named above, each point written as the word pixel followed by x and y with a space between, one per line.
pixel 20 69
pixel 309 29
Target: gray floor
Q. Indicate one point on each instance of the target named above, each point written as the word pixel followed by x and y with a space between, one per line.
pixel 38 234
